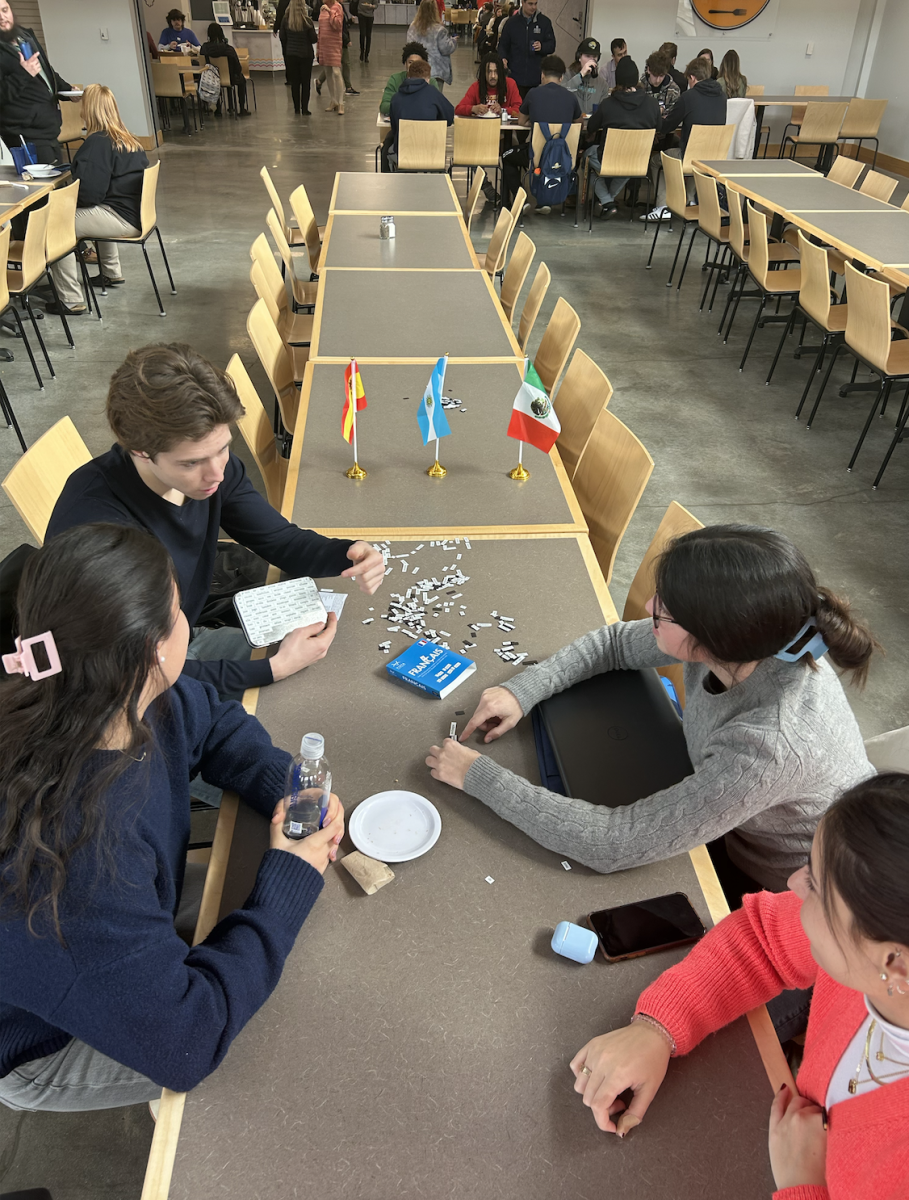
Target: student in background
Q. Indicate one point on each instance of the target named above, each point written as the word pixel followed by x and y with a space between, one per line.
pixel 417 100
pixel 412 52
pixel 349 89
pixel 176 35
pixel 299 36
pixel 491 92
pixel 628 107
pixel 658 82
pixel 707 55
pixel 843 928
pixel 427 29
pixel 331 33
pixel 526 39
pixel 218 46
pixel 109 166
pixel 772 741
pixel 366 14
pixel 585 78
pixel 550 103
pixel 730 77
pixel 617 50
pixel 672 52
pixel 102 1002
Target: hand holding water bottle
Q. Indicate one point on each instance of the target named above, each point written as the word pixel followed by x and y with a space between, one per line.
pixel 321 847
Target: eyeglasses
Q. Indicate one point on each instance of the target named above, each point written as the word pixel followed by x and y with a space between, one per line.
pixel 657 616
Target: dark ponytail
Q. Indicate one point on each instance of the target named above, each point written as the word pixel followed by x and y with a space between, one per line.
pixel 864 843
pixel 743 593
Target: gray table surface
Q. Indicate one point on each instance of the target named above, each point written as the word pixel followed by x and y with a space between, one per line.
pixel 399 192
pixel 763 101
pixel 812 195
pixel 12 199
pixel 734 168
pixel 409 314
pixel 882 236
pixel 420 241
pixel 418 1041
pixel 476 493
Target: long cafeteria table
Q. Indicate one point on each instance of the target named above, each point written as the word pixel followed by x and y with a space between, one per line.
pixel 396 193
pixel 418 1040
pixel 16 194
pixel 422 241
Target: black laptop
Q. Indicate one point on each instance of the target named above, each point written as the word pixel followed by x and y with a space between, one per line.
pixel 616 738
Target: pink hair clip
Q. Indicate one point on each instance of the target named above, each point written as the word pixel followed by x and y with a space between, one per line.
pixel 23 661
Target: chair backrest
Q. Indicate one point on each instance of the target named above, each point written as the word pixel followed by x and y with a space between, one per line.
pixel 754 89
pixel 675 183
pixel 260 250
pixel 583 394
pixel 710 217
pixel 276 361
pixel 472 202
pixel 822 122
pixel 537 141
pixel 36 481
pixel 516 273
pixel 498 243
pixel 258 433
pixel 148 211
pixel 881 187
pixel 806 89
pixel 868 317
pixel 72 128
pixel 265 292
pixel 166 81
pixel 34 259
pixel 845 170
pixel 626 152
pixel 275 201
pixel 863 118
pixel 61 221
pixel 533 304
pixel 707 142
pixel 5 233
pixel 306 220
pixel 517 208
pixel 421 145
pixel 223 68
pixel 737 235
pixel 814 290
pixel 609 480
pixel 273 221
pixel 476 143
pixel 264 261
pixel 905 205
pixel 758 253
pixel 557 343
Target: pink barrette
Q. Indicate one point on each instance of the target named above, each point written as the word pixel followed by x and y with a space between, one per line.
pixel 23 661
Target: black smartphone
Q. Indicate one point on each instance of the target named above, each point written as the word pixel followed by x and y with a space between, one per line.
pixel 646 927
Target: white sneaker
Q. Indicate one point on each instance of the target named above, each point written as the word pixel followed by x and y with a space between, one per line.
pixel 658 214
pixel 153 1106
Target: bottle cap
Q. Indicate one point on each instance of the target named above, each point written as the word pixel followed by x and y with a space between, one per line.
pixel 574 942
pixel 312 745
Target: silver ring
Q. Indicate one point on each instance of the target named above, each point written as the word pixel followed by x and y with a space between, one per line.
pixel 585 1070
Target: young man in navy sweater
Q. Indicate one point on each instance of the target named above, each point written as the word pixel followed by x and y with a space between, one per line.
pixel 171 472
pixel 417 100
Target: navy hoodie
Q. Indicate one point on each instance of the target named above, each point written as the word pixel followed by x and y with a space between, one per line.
pixel 416 100
pixel 625 110
pixel 704 104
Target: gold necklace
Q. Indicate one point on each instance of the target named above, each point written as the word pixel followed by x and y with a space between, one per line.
pixel 854 1083
pixel 865 1060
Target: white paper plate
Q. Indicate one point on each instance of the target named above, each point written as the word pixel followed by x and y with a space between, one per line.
pixel 40 169
pixel 70 93
pixel 395 826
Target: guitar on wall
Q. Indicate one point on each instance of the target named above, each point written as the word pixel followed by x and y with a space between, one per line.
pixel 719 14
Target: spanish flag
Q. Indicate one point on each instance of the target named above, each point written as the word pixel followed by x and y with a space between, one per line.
pixel 353 389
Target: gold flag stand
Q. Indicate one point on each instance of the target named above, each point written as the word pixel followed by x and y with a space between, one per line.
pixel 520 473
pixel 436 471
pixel 355 472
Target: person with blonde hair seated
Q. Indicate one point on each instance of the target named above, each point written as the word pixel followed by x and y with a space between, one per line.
pixel 109 166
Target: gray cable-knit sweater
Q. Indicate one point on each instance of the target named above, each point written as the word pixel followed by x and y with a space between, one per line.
pixel 769 756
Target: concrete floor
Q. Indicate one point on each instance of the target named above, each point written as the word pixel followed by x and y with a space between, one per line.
pixel 724 445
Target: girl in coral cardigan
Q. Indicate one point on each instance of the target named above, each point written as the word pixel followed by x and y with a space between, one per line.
pixel 844 927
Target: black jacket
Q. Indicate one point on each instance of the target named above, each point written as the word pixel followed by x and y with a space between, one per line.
pixel 515 40
pixel 224 50
pixel 680 78
pixel 28 108
pixel 625 110
pixel 300 42
pixel 704 104
pixel 110 176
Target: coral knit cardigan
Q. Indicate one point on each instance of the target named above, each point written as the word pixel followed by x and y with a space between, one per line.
pixel 750 957
pixel 331 26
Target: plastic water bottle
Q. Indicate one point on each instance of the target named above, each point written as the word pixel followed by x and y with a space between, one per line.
pixel 307 789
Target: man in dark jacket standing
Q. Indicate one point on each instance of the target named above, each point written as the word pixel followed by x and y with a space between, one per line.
pixel 704 103
pixel 526 39
pixel 28 90
pixel 629 107
pixel 417 100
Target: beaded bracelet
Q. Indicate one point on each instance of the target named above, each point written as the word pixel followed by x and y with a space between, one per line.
pixel 658 1026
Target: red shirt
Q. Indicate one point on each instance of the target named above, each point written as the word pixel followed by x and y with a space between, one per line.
pixel 441 7
pixel 512 99
pixel 750 957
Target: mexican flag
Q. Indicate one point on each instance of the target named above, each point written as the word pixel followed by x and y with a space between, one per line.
pixel 533 418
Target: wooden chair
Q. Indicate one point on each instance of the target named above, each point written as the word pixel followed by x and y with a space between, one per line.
pixel 292 235
pixel 493 260
pixel 754 89
pixel 845 170
pixel 276 362
pixel 517 208
pixel 32 263
pixel 294 328
pixel 6 408
pixel 305 292
pixel 306 221
pixel 583 394
pixel 72 128
pixel 36 481
pixel 299 354
pixel 862 123
pixel 707 142
pixel 797 112
pixel 740 248
pixel 868 339
pixel 476 144
pixel 228 90
pixel 880 187
pixel 6 304
pixel 626 154
pixel 820 127
pixel 556 344
pixel 710 224
pixel 149 226
pixel 677 203
pixel 243 55
pixel 259 435
pixel 533 304
pixel 472 204
pixel 169 84
pixel 608 481
pixel 676 521
pixel 516 274
pixel 421 145
pixel 773 285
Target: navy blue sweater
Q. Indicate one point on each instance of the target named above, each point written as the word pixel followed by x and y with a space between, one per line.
pixel 109 488
pixel 125 983
pixel 417 100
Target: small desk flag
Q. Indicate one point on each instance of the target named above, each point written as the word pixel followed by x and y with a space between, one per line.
pixel 430 415
pixel 348 420
pixel 533 418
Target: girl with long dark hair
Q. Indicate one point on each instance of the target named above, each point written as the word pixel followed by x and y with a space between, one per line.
pixel 843 928
pixel 770 733
pixel 101 1001
pixel 492 92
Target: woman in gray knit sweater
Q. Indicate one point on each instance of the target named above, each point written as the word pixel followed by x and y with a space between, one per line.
pixel 772 741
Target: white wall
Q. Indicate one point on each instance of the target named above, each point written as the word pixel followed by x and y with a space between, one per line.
pixel 74 43
pixel 888 77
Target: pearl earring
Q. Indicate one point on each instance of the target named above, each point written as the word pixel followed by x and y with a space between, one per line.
pixel 161 658
pixel 884 976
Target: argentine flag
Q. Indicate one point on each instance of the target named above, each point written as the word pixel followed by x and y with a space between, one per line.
pixel 430 415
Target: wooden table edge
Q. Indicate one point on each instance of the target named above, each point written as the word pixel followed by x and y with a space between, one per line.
pixel 411 360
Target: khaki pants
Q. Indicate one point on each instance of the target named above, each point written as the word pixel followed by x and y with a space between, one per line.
pixel 96 222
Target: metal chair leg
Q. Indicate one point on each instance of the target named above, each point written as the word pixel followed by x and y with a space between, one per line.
pixel 656 234
pixel 735 307
pixel 757 317
pixel 677 249
pixel 723 267
pixel 823 387
pixel 787 330
pixel 814 371
pixel 89 290
pixel 173 289
pixel 28 348
pixel 6 409
pixel 900 430
pixel 736 279
pixel 59 304
pixel 694 234
pixel 151 276
pixel 28 309
pixel 883 393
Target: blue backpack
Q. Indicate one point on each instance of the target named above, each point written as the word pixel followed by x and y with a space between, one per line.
pixel 551 179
